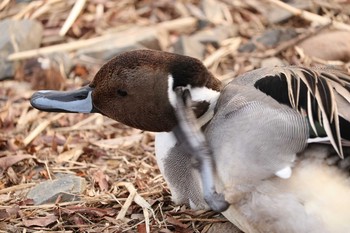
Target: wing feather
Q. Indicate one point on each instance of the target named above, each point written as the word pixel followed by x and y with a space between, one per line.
pixel 312 91
pixel 309 113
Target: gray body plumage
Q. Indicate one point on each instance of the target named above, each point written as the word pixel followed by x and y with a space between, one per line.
pixel 183 178
pixel 258 133
pixel 253 136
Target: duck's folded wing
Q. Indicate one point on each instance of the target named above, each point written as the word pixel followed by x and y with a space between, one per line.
pixel 321 94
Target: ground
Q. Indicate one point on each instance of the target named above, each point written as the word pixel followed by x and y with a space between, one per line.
pixel 124 190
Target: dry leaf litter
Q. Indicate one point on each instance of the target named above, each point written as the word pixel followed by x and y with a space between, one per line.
pixel 107 171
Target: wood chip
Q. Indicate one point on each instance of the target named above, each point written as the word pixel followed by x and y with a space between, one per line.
pixel 73 15
pixel 41 127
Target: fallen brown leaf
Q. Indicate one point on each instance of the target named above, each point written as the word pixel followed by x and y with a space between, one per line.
pixel 26 201
pixel 41 221
pixel 9 212
pixel 12 175
pixel 102 180
pixel 8 161
pixel 141 228
pixel 70 155
pixel 77 220
pixel 176 222
pixel 13 210
pixel 97 212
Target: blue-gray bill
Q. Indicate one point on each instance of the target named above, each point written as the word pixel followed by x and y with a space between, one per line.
pixel 78 101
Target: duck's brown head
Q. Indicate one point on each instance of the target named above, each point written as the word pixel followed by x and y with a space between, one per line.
pixel 136 88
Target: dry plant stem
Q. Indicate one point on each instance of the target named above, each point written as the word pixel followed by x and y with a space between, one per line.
pixel 310 16
pixel 55 48
pixel 27 9
pixel 4 4
pixel 85 121
pixel 173 25
pixel 134 196
pixel 16 188
pixel 46 206
pixel 132 227
pixel 73 15
pixel 288 44
pixel 48 170
pixel 178 25
pixel 147 220
pixel 231 48
pixel 126 205
pixel 41 127
pixel 43 9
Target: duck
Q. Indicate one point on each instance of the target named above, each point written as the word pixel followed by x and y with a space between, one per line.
pixel 136 88
pixel 277 136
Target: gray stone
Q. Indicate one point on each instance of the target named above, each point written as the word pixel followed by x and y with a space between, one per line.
pixel 216 35
pixel 67 186
pixel 273 37
pixel 189 47
pixel 269 39
pixel 17 35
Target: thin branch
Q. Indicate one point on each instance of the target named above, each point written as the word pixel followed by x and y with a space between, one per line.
pixel 323 20
pixel 73 15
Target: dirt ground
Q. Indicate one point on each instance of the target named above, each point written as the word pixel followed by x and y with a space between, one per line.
pixel 124 190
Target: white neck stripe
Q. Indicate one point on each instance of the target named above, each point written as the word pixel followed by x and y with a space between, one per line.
pixel 198 94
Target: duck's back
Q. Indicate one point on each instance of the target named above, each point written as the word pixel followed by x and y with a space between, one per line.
pixel 255 138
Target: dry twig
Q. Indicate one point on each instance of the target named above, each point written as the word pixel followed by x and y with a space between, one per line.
pixel 73 15
pixel 323 20
pixel 41 127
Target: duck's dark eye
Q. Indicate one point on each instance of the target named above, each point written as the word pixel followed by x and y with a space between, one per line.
pixel 122 93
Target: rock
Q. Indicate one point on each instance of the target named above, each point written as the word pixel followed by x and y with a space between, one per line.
pixel 269 39
pixel 272 38
pixel 67 186
pixel 336 42
pixel 17 35
pixel 216 35
pixel 188 46
pixel 271 61
pixel 117 42
pixel 247 47
pixel 226 227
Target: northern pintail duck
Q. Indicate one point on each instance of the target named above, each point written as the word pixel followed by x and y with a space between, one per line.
pixel 261 129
